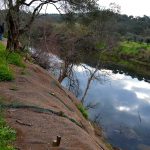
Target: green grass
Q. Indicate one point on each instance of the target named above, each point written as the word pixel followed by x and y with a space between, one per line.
pixel 5 73
pixel 7 135
pixel 2 54
pixel 83 110
pixel 16 59
pixel 6 59
pixel 133 47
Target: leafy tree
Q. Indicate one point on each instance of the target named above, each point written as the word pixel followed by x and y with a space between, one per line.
pixel 33 8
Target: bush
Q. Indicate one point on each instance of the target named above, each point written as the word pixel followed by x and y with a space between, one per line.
pixel 5 73
pixel 83 110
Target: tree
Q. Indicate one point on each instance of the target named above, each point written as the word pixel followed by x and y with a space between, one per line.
pixel 67 48
pixel 33 7
pixel 91 77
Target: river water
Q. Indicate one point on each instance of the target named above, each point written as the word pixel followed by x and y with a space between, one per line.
pixel 123 108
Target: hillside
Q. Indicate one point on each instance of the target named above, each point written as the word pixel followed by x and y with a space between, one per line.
pixel 40 109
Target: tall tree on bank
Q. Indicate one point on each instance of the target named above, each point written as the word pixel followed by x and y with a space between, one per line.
pixel 16 7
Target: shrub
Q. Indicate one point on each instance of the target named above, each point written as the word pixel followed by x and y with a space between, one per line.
pixel 83 110
pixel 5 73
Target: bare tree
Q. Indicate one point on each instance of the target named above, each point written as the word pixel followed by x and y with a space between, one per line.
pixel 91 77
pixel 66 41
pixel 73 83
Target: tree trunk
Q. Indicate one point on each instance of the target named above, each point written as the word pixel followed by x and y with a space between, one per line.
pixel 62 75
pixel 86 90
pixel 63 72
pixel 88 85
pixel 12 20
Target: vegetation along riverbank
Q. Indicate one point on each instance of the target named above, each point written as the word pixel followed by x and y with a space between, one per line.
pixel 47 111
pixel 41 51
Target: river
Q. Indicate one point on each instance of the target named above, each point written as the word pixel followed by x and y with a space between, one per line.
pixel 123 108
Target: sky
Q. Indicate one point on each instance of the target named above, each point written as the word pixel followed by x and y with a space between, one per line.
pixel 129 7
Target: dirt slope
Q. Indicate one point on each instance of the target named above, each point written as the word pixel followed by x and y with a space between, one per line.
pixel 40 109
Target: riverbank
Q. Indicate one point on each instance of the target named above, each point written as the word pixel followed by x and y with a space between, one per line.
pixel 131 57
pixel 132 67
pixel 39 109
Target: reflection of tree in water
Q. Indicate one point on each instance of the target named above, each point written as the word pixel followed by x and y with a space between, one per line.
pixel 128 132
pixel 116 68
pixel 129 72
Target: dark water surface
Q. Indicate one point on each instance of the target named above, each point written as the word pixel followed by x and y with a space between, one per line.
pixel 123 108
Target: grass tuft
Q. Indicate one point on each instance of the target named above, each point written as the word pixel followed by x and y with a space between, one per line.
pixel 5 73
pixel 7 135
pixel 6 59
pixel 83 110
pixel 16 59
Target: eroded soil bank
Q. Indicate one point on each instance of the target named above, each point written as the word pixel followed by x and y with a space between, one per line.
pixel 39 109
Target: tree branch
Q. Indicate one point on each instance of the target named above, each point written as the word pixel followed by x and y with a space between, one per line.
pixel 34 14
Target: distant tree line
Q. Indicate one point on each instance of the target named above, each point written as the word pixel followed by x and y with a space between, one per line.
pixel 128 27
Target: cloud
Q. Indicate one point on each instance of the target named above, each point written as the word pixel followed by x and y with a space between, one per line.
pixel 130 7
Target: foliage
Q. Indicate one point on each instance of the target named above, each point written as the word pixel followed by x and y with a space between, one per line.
pixel 7 135
pixel 83 110
pixel 19 25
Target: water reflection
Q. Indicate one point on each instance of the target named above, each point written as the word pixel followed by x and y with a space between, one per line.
pixel 124 108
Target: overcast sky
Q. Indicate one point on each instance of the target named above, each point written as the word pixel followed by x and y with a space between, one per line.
pixel 129 7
